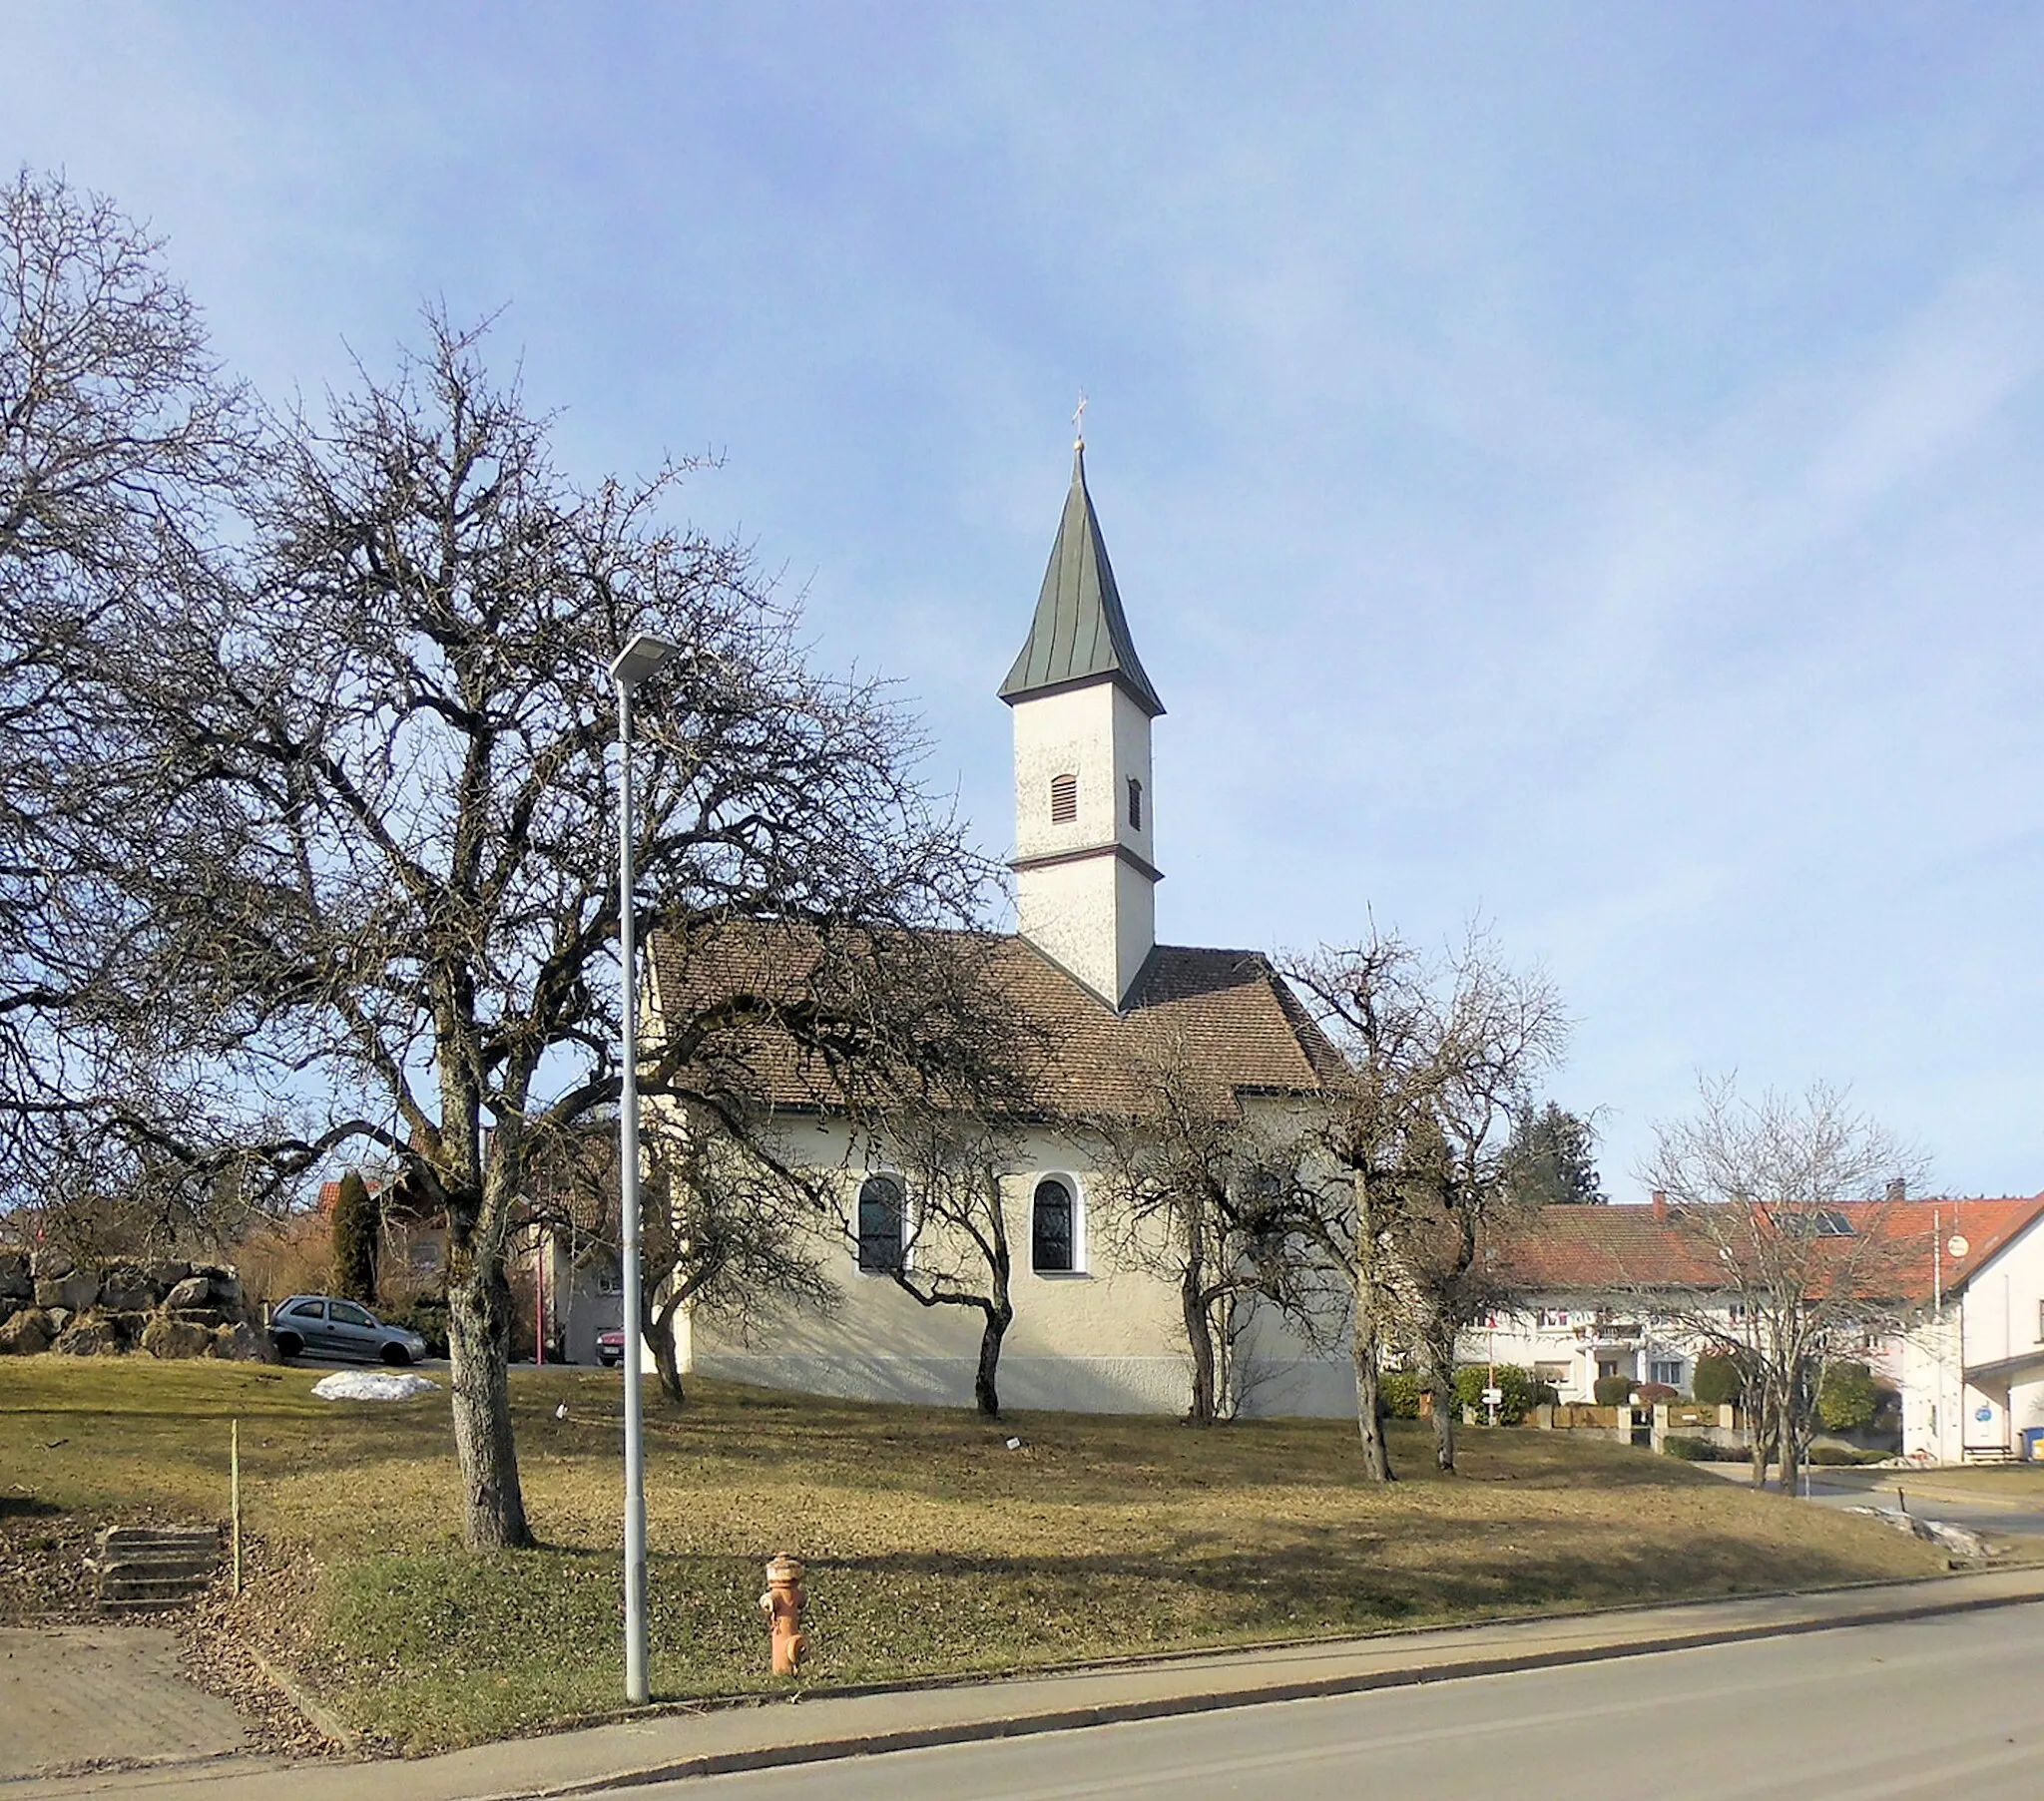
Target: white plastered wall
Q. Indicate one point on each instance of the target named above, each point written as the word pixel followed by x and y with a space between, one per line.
pixel 1100 1339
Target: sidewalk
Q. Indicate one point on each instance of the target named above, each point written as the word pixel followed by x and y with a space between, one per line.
pixel 708 1742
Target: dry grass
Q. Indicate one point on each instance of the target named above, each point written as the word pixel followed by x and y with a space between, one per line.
pixel 932 1549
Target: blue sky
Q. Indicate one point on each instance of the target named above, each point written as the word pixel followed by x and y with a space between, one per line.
pixel 1582 466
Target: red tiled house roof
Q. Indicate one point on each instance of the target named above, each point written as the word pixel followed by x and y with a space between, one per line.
pixel 1610 1249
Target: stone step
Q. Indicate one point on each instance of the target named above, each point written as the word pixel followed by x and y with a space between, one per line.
pixel 124 1538
pixel 167 1564
pixel 152 1568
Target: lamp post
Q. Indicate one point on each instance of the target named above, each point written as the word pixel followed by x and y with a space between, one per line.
pixel 639 660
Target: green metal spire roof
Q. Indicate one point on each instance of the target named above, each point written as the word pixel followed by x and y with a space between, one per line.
pixel 1080 633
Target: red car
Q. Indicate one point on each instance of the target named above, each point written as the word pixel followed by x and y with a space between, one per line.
pixel 609 1347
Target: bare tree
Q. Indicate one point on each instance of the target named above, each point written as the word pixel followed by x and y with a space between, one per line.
pixel 349 817
pixel 1755 1187
pixel 120 442
pixel 1197 1192
pixel 1440 1054
pixel 955 1251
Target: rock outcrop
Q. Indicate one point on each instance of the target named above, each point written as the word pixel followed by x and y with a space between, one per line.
pixel 166 1308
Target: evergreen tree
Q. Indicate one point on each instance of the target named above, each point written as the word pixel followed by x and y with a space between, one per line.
pixel 355 1222
pixel 1553 1160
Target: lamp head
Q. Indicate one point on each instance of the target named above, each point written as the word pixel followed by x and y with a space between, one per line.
pixel 638 659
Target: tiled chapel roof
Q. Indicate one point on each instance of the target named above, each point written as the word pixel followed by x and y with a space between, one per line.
pixel 1226 1015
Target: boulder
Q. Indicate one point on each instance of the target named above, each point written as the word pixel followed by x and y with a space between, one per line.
pixel 26 1334
pixel 212 1318
pixel 51 1264
pixel 90 1335
pixel 165 1275
pixel 240 1343
pixel 227 1286
pixel 125 1289
pixel 193 1291
pixel 9 1307
pixel 167 1337
pixel 16 1285
pixel 59 1318
pixel 76 1290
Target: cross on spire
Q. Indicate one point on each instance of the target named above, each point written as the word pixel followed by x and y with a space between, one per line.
pixel 1079 422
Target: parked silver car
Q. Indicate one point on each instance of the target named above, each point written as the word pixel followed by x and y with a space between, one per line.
pixel 331 1327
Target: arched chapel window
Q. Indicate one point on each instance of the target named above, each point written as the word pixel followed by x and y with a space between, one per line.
pixel 880 1225
pixel 1064 799
pixel 1051 1222
pixel 1135 804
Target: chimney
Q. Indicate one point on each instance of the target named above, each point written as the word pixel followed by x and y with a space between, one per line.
pixel 1898 1189
pixel 1661 1204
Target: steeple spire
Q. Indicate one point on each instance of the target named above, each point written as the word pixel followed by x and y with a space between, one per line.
pixel 1080 633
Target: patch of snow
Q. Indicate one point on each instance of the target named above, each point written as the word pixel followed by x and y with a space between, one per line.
pixel 371 1385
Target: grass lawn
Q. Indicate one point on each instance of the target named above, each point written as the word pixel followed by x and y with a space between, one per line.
pixel 932 1549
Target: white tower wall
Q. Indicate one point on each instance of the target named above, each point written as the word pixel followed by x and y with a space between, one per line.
pixel 1086 887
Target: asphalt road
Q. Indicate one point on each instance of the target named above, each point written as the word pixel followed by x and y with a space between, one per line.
pixel 2011 1518
pixel 1935 1709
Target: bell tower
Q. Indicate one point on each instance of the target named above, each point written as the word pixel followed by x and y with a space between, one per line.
pixel 1085 873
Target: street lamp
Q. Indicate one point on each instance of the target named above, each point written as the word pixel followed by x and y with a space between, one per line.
pixel 639 660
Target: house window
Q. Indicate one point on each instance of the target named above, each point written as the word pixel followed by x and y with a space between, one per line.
pixel 609 1280
pixel 1135 804
pixel 1665 1370
pixel 1064 799
pixel 880 1215
pixel 1554 1318
pixel 1554 1375
pixel 1052 1221
pixel 1606 1367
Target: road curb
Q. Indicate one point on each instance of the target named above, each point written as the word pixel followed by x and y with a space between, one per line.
pixel 1108 1713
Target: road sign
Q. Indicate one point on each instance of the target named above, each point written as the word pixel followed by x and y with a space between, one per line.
pixel 1493 1397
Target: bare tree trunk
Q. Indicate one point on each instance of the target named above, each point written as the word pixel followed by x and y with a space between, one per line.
pixel 1370 1417
pixel 985 1395
pixel 664 1362
pixel 478 1343
pixel 1761 1424
pixel 1440 1377
pixel 1199 1339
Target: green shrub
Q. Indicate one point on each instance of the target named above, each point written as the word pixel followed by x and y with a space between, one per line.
pixel 1848 1397
pixel 1718 1380
pixel 1613 1391
pixel 425 1314
pixel 1398 1395
pixel 1690 1449
pixel 1521 1393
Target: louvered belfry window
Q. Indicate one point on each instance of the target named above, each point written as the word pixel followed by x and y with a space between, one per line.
pixel 1064 799
pixel 1135 804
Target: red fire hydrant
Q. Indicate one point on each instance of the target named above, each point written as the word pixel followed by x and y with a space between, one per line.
pixel 783 1604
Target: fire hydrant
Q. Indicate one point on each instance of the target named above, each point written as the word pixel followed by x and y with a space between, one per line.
pixel 783 1604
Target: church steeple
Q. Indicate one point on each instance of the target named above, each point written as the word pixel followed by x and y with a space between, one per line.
pixel 1080 633
pixel 1085 879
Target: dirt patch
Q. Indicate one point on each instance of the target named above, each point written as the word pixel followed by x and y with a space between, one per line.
pixel 43 1574
pixel 246 1649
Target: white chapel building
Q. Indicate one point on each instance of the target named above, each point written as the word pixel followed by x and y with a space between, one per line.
pixel 1085 965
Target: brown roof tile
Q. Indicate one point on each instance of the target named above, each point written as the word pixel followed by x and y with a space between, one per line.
pixel 1226 1013
pixel 1579 1249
